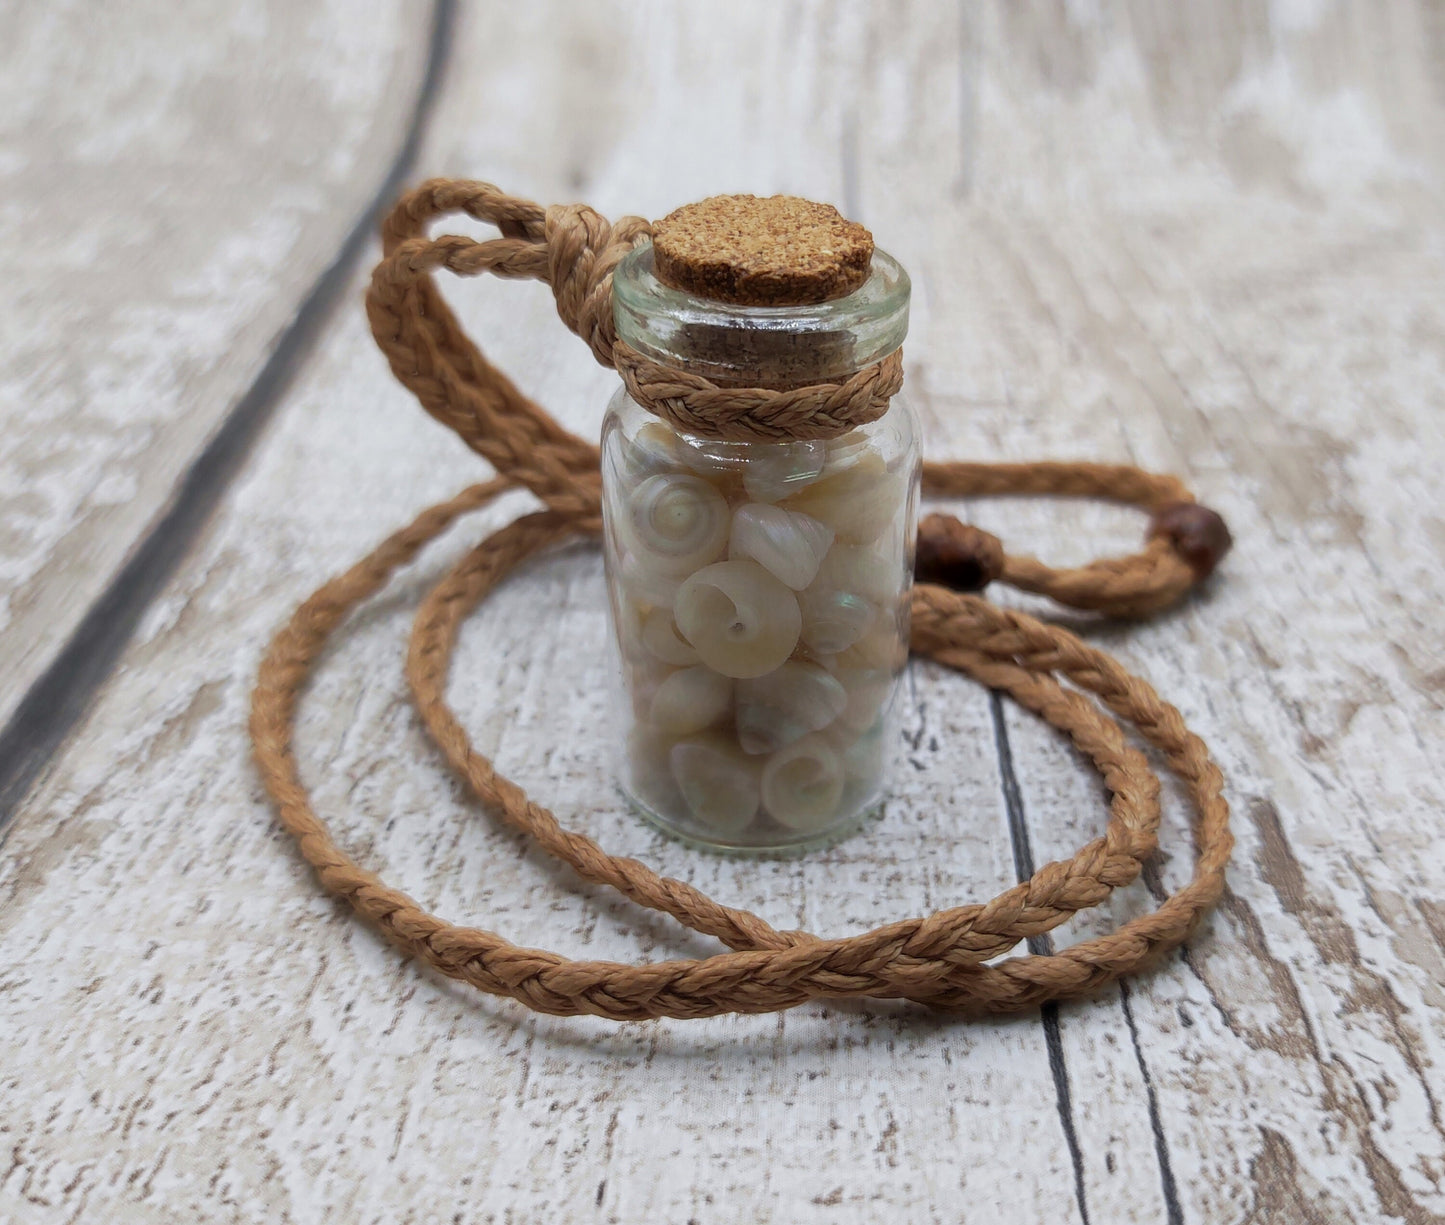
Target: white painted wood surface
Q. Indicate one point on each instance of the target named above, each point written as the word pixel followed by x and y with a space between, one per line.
pixel 1208 238
pixel 174 178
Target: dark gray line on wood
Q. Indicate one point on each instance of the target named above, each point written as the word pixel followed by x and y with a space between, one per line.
pixel 58 699
pixel 1172 1211
pixel 1023 855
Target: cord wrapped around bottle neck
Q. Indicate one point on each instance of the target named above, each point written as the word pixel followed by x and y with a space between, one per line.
pixel 575 250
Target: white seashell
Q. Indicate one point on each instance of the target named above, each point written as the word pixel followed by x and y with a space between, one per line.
pixel 867 691
pixel 864 758
pixel 802 784
pixel 658 635
pixel 883 648
pixel 720 461
pixel 834 620
pixel 785 705
pixel 646 585
pixel 718 781
pixel 676 523
pixel 652 451
pixel 627 462
pixel 862 570
pixel 741 619
pixel 641 701
pixel 780 469
pixel 846 450
pixel 805 654
pixel 627 620
pixel 642 678
pixel 788 545
pixel 648 770
pixel 858 502
pixel 690 700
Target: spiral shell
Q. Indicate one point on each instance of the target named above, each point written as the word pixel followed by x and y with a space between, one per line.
pixel 719 461
pixel 863 759
pixel 802 784
pixel 690 700
pixel 866 692
pixel 718 781
pixel 742 621
pixel 858 501
pixel 628 461
pixel 884 647
pixel 846 450
pixel 834 620
pixel 676 523
pixel 657 634
pixel 651 451
pixel 785 705
pixel 648 586
pixel 643 676
pixel 789 545
pixel 780 469
pixel 846 596
pixel 648 769
pixel 627 619
pixel 862 570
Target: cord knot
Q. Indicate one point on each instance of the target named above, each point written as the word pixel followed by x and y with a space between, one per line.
pixel 1199 535
pixel 957 555
pixel 583 250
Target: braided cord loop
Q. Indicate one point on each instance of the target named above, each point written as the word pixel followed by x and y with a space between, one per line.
pixel 939 959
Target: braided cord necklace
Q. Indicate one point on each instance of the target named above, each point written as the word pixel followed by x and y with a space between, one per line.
pixel 947 959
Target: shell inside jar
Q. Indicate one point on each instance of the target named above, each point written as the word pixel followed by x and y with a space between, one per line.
pixel 760 597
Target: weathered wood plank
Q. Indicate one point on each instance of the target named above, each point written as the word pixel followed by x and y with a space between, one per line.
pixel 174 182
pixel 342 1104
pixel 342 1112
pixel 1267 325
pixel 1208 239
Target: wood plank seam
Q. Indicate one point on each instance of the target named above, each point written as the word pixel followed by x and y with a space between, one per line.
pixel 1175 1214
pixel 1039 946
pixel 58 698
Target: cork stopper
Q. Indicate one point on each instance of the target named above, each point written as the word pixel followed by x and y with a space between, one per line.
pixel 761 250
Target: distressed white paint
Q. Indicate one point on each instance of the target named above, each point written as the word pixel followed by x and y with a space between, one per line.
pixel 1122 249
pixel 173 178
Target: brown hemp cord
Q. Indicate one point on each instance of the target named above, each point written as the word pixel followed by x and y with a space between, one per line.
pixel 937 959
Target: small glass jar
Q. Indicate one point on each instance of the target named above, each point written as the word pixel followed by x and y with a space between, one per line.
pixel 759 590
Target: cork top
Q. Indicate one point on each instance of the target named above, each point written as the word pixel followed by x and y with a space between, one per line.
pixel 761 250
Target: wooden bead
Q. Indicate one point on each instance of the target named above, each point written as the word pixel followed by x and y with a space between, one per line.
pixel 1199 535
pixel 957 555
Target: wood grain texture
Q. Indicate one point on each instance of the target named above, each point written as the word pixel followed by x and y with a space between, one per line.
pixel 174 182
pixel 1289 1064
pixel 1205 238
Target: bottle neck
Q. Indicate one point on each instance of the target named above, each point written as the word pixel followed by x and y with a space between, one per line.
pixel 773 347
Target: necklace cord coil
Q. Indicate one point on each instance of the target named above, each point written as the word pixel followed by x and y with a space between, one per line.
pixel 939 959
